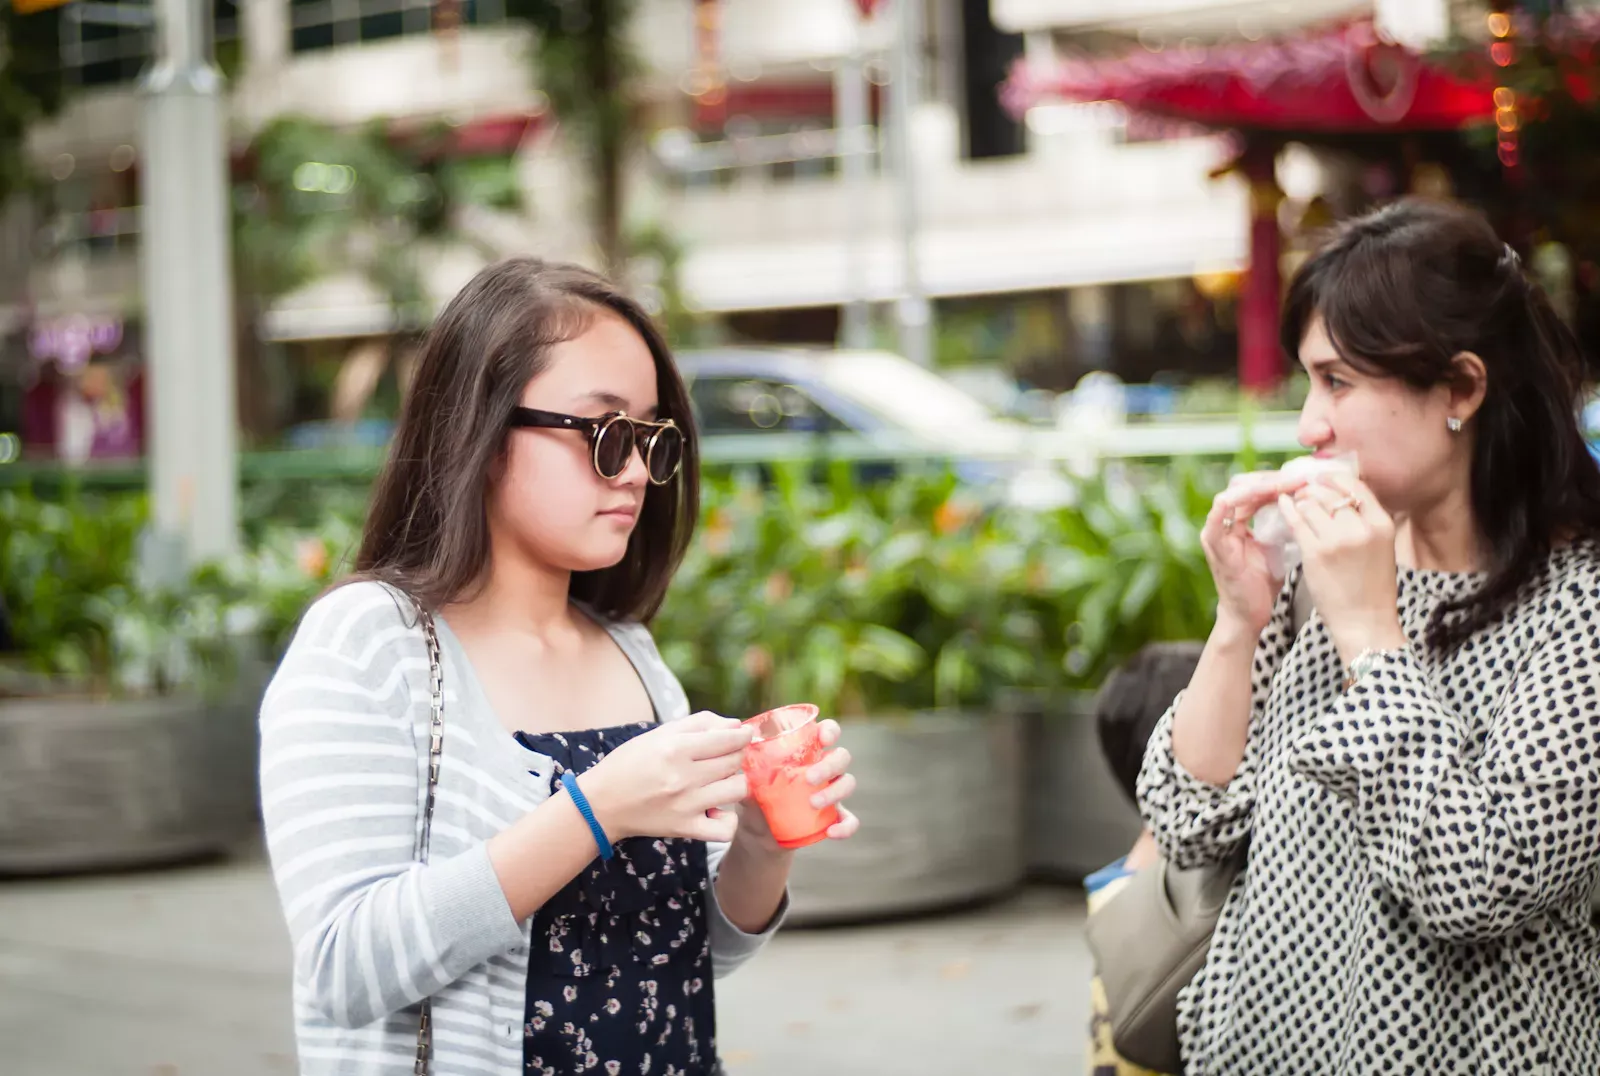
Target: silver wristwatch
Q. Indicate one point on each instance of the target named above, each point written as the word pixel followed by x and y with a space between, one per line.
pixel 1364 663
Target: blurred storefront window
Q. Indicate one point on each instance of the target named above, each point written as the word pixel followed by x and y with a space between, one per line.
pixel 326 24
pixel 111 48
pixel 1177 330
pixel 81 390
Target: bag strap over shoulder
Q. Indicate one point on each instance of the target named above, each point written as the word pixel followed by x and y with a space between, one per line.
pixel 430 635
pixel 435 728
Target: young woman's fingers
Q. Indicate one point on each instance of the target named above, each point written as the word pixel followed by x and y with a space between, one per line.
pixel 845 828
pixel 834 793
pixel 709 770
pixel 716 826
pixel 717 743
pixel 700 721
pixel 733 789
pixel 833 764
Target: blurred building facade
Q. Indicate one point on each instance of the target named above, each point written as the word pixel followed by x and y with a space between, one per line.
pixel 1066 239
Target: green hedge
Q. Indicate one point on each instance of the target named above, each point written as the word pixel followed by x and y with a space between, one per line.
pixel 803 583
pixel 911 595
pixel 86 618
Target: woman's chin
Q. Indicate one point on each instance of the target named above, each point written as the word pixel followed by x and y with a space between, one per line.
pixel 599 556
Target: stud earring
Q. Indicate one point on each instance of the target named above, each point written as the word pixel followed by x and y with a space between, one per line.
pixel 1453 424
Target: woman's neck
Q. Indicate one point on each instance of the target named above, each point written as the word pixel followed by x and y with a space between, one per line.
pixel 517 596
pixel 1442 537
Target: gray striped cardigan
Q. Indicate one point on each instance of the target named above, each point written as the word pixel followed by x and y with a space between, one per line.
pixel 344 732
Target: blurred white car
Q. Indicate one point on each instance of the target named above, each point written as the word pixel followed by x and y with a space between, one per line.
pixel 875 403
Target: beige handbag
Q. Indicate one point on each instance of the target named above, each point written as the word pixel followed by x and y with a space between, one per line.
pixel 1152 938
pixel 1148 942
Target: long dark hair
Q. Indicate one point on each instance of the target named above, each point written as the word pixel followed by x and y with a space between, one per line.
pixel 427 530
pixel 1405 289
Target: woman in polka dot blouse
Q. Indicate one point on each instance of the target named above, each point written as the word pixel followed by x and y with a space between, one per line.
pixel 1414 777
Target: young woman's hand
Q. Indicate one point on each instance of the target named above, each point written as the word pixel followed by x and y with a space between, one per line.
pixel 1246 587
pixel 833 782
pixel 672 781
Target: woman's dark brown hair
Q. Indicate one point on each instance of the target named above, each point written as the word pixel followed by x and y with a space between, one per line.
pixel 427 531
pixel 1405 289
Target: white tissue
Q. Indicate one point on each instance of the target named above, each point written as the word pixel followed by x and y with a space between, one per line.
pixel 1272 530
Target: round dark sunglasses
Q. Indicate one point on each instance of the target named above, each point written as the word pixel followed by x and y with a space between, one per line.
pixel 613 438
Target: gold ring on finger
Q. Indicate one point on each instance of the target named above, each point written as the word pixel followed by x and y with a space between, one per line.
pixel 1227 523
pixel 1348 502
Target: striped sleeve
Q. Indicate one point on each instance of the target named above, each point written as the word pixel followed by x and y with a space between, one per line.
pixel 341 773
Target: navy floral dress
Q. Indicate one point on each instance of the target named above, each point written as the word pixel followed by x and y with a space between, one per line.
pixel 619 977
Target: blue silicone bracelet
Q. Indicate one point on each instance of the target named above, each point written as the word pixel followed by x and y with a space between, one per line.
pixel 582 803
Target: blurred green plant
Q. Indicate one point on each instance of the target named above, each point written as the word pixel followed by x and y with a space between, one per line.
pixel 56 558
pixel 1123 567
pixel 1540 195
pixel 655 277
pixel 323 199
pixel 269 508
pixel 1223 396
pixel 909 595
pixel 85 620
pixel 789 594
pixel 804 584
pixel 586 62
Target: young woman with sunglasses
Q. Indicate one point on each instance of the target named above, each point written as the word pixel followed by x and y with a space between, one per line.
pixel 579 880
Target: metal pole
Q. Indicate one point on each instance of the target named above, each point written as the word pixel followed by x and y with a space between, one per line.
pixel 912 313
pixel 850 121
pixel 186 276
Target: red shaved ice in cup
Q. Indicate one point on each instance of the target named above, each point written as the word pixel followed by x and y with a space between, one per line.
pixel 788 742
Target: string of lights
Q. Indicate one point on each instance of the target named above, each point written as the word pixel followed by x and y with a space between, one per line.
pixel 1503 52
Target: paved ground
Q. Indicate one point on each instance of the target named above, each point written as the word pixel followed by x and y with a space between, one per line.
pixel 184 973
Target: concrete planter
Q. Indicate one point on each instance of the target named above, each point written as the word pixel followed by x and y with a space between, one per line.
pixel 1077 817
pixel 89 784
pixel 940 801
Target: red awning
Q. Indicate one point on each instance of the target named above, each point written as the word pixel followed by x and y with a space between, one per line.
pixel 485 135
pixel 1342 79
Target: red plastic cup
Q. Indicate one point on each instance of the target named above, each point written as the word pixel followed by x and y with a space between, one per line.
pixel 788 742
